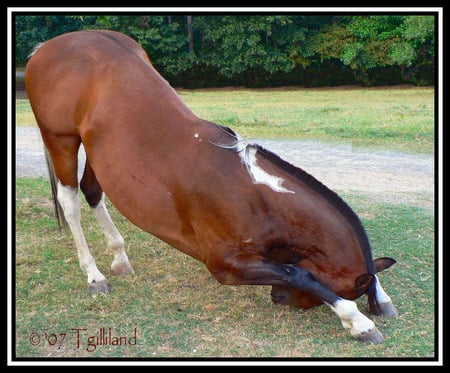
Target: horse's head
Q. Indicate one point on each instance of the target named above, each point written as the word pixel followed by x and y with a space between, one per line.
pixel 379 302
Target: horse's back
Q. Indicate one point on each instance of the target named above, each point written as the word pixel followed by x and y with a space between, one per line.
pixel 66 75
pixel 90 47
pixel 99 88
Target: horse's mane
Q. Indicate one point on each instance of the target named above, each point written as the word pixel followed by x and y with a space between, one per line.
pixel 333 198
pixel 240 145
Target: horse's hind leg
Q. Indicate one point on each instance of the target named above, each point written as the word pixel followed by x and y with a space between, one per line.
pixel 63 151
pixel 69 200
pixel 95 198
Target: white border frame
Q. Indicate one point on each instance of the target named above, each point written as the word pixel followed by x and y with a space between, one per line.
pixel 11 124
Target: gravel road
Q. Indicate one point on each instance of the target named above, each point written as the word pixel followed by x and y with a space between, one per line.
pixel 384 175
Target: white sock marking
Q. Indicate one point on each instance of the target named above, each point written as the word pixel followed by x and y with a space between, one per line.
pixel 380 294
pixel 114 238
pixel 351 318
pixel 70 203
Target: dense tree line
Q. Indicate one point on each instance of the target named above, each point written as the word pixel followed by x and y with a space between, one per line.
pixel 263 50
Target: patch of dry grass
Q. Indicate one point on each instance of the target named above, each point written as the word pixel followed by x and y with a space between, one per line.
pixel 180 311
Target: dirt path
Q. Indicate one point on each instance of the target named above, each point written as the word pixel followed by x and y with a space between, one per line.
pixel 386 176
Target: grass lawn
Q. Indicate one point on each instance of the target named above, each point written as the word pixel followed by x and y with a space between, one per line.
pixel 173 307
pixel 395 118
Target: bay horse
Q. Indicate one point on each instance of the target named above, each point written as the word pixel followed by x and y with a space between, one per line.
pixel 251 217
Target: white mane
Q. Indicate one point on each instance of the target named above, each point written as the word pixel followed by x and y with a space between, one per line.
pixel 247 153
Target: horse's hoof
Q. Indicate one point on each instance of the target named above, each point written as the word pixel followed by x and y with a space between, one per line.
pixel 372 336
pixel 388 309
pixel 122 269
pixel 100 287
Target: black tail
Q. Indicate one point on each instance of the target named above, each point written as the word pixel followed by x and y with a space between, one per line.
pixel 53 181
pixel 374 305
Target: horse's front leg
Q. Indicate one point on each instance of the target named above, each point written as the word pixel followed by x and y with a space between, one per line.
pixel 360 326
pixel 255 270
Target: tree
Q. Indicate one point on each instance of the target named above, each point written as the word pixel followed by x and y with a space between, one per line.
pixel 32 30
pixel 234 44
pixel 268 47
pixel 190 35
pixel 365 43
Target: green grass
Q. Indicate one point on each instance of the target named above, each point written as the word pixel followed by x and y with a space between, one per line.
pixel 394 118
pixel 177 308
pixel 388 117
pixel 180 311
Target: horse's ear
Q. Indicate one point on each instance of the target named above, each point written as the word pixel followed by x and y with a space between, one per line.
pixel 363 282
pixel 383 263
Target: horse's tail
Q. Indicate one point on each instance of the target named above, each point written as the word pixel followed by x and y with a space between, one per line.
pixel 53 182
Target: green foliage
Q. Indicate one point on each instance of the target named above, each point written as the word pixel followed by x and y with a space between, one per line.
pixel 369 42
pixel 235 44
pixel 330 42
pixel 419 29
pixel 32 30
pixel 375 27
pixel 226 49
pixel 402 54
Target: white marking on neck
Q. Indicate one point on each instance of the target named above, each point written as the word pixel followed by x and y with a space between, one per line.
pixel 247 153
pixel 260 176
